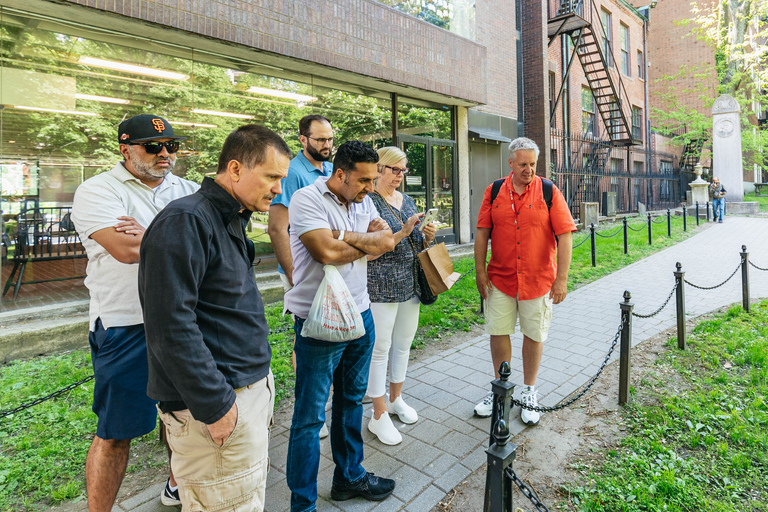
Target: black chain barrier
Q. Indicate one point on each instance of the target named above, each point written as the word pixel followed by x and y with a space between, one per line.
pixel 639 228
pixel 659 220
pixel 45 398
pixel 717 285
pixel 638 315
pixel 584 389
pixel 621 228
pixel 527 491
pixel 758 268
pixel 578 244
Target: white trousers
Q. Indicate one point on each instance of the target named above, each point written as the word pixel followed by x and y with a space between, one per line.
pixel 396 324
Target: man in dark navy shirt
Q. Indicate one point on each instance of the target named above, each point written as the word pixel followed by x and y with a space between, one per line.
pixel 206 330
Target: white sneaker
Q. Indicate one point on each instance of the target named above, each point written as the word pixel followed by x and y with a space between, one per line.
pixel 485 408
pixel 385 430
pixel 324 431
pixel 405 412
pixel 528 397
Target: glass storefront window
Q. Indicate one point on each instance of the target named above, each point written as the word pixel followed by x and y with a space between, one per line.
pixel 424 119
pixel 65 88
pixel 457 16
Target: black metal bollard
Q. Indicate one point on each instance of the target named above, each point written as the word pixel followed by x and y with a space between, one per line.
pixel 501 454
pixel 593 243
pixel 669 223
pixel 626 234
pixel 697 213
pixel 745 278
pixel 708 217
pixel 625 348
pixel 685 218
pixel 680 296
pixel 650 230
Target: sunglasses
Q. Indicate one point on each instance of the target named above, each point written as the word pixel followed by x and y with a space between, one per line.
pixel 154 148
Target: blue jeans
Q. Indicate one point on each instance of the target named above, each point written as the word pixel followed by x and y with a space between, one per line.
pixel 718 208
pixel 318 364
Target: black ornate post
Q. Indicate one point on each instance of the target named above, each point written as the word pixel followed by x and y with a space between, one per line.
pixel 501 454
pixel 626 241
pixel 697 213
pixel 650 230
pixel 708 217
pixel 685 218
pixel 625 348
pixel 745 278
pixel 669 223
pixel 593 243
pixel 680 295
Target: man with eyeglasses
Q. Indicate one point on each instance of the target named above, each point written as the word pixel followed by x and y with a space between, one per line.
pixel 316 137
pixel 110 212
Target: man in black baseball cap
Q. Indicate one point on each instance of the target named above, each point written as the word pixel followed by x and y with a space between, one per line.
pixel 110 212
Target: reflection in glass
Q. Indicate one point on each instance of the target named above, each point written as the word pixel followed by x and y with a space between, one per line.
pixel 415 182
pixel 458 16
pixel 424 119
pixel 442 187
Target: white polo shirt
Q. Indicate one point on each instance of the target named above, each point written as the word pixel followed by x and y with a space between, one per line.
pixel 99 201
pixel 316 207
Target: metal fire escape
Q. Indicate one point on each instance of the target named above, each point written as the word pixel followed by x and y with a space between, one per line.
pixel 574 18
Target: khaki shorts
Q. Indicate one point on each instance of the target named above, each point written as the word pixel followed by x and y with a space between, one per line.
pixel 228 478
pixel 502 311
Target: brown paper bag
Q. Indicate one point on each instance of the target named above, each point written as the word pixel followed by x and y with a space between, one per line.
pixel 438 268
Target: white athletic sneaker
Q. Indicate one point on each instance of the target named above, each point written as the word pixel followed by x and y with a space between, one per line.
pixel 324 431
pixel 485 408
pixel 405 412
pixel 528 397
pixel 385 430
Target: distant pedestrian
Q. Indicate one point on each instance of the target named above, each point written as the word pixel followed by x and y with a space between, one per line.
pixel 531 249
pixel 334 222
pixel 209 358
pixel 110 212
pixel 394 303
pixel 717 195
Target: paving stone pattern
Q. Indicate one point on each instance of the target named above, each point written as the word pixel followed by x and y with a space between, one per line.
pixel 448 443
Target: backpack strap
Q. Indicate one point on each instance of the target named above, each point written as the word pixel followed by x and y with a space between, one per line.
pixel 546 191
pixel 495 189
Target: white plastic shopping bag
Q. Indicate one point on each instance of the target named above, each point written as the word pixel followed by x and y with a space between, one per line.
pixel 334 315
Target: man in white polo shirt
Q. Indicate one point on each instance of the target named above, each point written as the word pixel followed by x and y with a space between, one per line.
pixel 110 212
pixel 334 222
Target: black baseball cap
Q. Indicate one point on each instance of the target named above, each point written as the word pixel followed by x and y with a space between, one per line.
pixel 145 127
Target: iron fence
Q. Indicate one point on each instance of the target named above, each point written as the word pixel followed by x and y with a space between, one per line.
pixel 585 168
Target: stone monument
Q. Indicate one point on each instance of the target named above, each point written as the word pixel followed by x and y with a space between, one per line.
pixel 726 147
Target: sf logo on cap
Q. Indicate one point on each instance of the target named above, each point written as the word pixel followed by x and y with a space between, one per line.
pixel 159 125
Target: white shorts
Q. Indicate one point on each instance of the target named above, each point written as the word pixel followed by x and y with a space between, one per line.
pixel 502 311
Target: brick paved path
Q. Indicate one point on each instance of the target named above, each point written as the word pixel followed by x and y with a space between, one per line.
pixel 447 443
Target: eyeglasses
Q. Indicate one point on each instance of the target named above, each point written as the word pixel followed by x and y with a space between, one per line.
pixel 154 148
pixel 398 170
pixel 322 142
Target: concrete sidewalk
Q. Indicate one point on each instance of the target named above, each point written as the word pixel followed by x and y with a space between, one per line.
pixel 448 442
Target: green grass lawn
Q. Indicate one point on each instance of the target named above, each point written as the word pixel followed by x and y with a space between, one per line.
pixel 702 447
pixel 43 449
pixel 752 197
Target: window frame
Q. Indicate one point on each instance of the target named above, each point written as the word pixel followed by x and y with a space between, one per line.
pixel 587 113
pixel 626 64
pixel 637 122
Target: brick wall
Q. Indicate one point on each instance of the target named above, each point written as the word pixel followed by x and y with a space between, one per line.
pixel 535 78
pixel 495 29
pixel 357 36
pixel 671 47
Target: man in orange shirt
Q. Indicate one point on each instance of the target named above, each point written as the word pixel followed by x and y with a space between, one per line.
pixel 530 257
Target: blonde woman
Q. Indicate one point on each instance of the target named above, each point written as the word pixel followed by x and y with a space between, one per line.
pixel 394 304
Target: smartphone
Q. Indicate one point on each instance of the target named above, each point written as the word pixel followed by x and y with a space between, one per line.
pixel 430 216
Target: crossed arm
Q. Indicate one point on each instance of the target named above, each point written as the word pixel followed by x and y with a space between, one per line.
pixel 123 240
pixel 325 247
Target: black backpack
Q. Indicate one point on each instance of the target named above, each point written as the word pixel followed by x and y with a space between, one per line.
pixel 546 191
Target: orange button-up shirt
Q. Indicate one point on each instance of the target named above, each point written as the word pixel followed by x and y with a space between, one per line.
pixel 523 245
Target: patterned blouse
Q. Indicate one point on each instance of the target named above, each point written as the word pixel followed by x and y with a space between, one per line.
pixel 391 276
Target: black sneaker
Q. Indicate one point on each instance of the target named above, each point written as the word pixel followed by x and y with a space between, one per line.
pixel 170 498
pixel 369 487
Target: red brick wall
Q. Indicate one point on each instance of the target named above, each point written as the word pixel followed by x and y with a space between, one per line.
pixel 671 47
pixel 495 29
pixel 357 36
pixel 535 78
